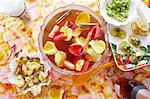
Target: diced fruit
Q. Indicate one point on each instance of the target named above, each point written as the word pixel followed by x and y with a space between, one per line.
pixel 98 46
pixel 92 55
pixel 71 25
pixel 79 64
pixel 67 31
pixel 83 17
pixel 85 67
pixel 69 65
pixel 77 32
pixel 80 40
pixel 75 49
pixel 60 58
pixel 96 32
pixel 50 48
pixel 59 37
pixel 54 31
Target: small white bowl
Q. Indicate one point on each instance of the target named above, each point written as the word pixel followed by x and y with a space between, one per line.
pixel 131 15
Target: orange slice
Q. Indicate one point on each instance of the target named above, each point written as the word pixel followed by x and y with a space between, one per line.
pixel 83 17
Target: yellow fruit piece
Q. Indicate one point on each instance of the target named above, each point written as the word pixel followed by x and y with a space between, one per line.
pixel 92 55
pixel 50 48
pixel 4 46
pixel 56 93
pixel 79 64
pixel 81 40
pixel 69 65
pixel 60 58
pixel 77 32
pixel 83 17
pixel 67 31
pixel 98 46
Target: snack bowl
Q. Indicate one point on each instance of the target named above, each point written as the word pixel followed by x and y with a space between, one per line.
pixel 16 68
pixel 132 13
pixel 51 21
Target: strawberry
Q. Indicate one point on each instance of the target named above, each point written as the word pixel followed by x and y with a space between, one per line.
pixel 85 67
pixel 75 49
pixel 96 32
pixel 72 25
pixel 59 36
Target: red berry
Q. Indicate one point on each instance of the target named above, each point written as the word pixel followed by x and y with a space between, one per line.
pixel 75 49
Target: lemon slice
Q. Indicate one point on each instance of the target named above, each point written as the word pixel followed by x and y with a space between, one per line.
pixel 50 48
pixel 81 40
pixel 60 58
pixel 83 17
pixel 92 55
pixel 67 31
pixel 98 46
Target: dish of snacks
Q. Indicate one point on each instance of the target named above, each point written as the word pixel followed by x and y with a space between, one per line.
pixel 131 44
pixel 77 42
pixel 118 12
pixel 29 73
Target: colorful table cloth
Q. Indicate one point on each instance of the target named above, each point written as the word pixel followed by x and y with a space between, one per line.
pixel 25 37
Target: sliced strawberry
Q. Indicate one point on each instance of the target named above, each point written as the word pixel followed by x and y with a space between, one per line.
pixel 75 49
pixel 59 37
pixel 86 66
pixel 54 31
pixel 96 32
pixel 72 25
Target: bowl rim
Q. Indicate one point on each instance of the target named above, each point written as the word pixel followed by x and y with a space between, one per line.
pixel 62 9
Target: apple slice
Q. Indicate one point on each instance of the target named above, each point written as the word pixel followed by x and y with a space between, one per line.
pixel 50 48
pixel 81 40
pixel 67 32
pixel 75 49
pixel 96 32
pixel 54 31
pixel 79 64
pixel 69 65
pixel 77 32
pixel 92 55
pixel 98 46
pixel 83 17
pixel 60 58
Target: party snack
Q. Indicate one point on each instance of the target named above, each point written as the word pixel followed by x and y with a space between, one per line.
pixel 140 27
pixel 29 73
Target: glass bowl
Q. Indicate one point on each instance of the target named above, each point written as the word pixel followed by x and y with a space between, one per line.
pixel 50 21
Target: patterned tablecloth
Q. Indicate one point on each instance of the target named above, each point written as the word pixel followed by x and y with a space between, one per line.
pixel 25 36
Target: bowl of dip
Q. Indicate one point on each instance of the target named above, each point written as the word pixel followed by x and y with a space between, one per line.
pixel 118 12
